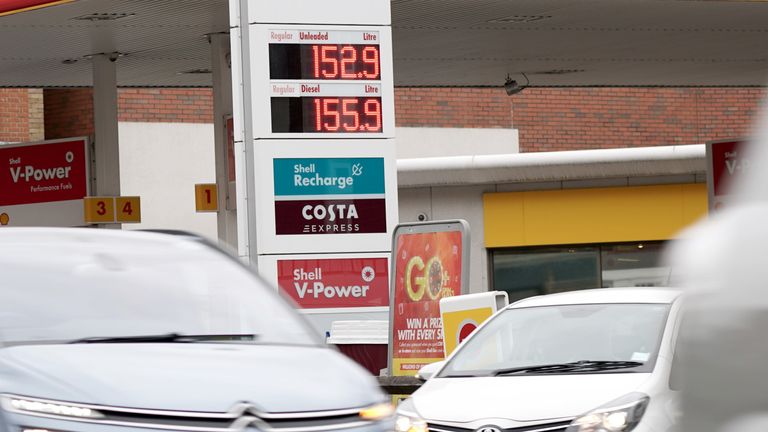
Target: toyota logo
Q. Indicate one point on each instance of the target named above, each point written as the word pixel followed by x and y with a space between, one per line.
pixel 488 429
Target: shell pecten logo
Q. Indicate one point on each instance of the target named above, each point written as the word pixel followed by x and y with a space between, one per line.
pixel 4 219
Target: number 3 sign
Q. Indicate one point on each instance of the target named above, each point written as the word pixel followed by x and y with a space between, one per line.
pixel 111 210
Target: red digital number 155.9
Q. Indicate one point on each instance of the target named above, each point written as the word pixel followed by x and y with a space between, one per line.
pixel 347 115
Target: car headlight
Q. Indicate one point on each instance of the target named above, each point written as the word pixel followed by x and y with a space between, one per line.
pixel 41 407
pixel 620 415
pixel 377 412
pixel 410 423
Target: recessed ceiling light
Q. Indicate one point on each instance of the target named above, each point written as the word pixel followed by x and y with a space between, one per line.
pixel 110 16
pixel 558 72
pixel 518 19
pixel 195 72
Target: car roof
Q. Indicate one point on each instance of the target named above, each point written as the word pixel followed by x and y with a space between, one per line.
pixel 115 240
pixel 603 295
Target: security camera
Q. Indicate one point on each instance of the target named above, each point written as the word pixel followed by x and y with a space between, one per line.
pixel 422 217
pixel 114 56
pixel 512 87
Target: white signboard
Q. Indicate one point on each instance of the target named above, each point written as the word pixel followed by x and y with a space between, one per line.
pixel 326 196
pixel 322 82
pixel 316 113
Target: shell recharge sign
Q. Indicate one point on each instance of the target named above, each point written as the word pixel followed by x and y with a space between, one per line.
pixel 43 183
pixel 430 262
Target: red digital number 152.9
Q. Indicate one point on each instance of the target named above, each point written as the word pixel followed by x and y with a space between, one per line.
pixel 345 62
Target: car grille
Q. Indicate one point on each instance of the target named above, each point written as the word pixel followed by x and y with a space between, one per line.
pixel 559 426
pixel 241 417
pixel 299 422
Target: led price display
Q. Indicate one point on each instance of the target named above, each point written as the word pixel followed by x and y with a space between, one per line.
pixel 324 62
pixel 326 114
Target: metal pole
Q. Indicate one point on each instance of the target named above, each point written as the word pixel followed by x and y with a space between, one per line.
pixel 106 142
pixel 247 199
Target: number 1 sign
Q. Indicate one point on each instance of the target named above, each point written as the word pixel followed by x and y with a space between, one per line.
pixel 206 197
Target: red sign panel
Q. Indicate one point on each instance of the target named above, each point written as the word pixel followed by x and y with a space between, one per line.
pixel 230 127
pixel 46 172
pixel 427 268
pixel 727 162
pixel 8 7
pixel 349 216
pixel 335 283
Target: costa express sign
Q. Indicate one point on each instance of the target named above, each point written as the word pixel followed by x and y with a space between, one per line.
pixel 335 283
pixel 427 268
pixel 45 172
pixel 8 7
pixel 349 216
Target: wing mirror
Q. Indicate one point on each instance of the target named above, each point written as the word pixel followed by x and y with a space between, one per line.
pixel 428 371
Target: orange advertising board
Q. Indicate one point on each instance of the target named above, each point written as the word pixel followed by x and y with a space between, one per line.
pixel 428 266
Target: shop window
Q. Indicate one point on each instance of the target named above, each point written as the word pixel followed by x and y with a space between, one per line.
pixel 636 264
pixel 526 272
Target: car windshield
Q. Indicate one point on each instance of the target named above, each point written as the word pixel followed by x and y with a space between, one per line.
pixel 62 292
pixel 564 339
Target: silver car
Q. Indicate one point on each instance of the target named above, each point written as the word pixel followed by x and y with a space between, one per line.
pixel 116 331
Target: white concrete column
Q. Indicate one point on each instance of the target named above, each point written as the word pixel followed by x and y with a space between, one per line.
pixel 107 154
pixel 222 108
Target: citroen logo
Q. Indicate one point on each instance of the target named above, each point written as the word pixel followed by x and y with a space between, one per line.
pixel 488 429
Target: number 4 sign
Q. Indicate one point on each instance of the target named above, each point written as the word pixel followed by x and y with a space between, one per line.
pixel 128 209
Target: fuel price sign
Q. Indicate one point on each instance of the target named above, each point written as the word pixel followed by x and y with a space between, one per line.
pixel 322 99
pixel 326 107
pixel 327 81
pixel 325 61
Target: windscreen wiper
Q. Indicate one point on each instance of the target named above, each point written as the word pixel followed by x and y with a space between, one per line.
pixel 462 375
pixel 166 338
pixel 577 366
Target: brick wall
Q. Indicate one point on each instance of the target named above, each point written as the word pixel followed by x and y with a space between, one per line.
pixel 69 112
pixel 566 119
pixel 547 119
pixel 14 115
pixel 36 112
pixel 166 105
pixel 452 107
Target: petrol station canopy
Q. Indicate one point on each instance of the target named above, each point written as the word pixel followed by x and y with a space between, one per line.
pixel 163 43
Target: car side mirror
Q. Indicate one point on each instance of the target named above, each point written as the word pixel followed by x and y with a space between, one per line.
pixel 428 371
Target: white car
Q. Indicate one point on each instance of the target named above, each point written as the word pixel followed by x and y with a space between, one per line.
pixel 584 361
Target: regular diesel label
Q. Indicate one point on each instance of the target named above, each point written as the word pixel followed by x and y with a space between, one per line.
pixel 335 283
